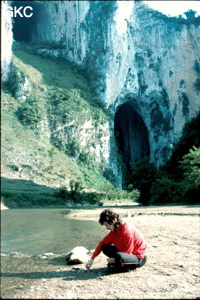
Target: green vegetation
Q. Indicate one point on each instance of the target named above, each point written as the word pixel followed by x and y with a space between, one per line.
pixel 31 112
pixel 45 106
pixel 106 194
pixel 142 175
pixel 176 182
pixel 190 164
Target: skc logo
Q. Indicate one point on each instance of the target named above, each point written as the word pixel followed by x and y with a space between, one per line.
pixel 22 12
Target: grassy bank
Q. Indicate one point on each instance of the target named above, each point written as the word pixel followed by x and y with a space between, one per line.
pixel 45 104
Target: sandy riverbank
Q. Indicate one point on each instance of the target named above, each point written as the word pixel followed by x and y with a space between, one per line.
pixel 171 272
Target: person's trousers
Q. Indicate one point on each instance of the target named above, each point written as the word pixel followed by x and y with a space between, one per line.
pixel 123 259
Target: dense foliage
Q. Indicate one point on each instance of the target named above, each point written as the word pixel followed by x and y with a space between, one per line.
pixel 178 181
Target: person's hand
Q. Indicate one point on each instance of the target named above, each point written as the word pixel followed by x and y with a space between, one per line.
pixel 89 263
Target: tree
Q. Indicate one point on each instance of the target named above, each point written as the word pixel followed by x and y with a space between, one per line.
pixel 143 175
pixel 190 164
pixel 190 14
pixel 76 188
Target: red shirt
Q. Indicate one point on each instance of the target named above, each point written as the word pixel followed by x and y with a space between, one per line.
pixel 127 238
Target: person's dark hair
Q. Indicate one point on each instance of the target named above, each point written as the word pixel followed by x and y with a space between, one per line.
pixel 110 217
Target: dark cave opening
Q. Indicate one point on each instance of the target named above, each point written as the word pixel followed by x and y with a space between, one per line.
pixel 26 15
pixel 131 135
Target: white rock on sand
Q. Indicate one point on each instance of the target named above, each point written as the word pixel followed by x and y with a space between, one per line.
pixel 3 207
pixel 78 255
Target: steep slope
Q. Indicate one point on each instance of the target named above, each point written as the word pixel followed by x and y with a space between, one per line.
pixel 52 132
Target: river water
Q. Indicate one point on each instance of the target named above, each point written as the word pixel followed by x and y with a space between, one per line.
pixel 36 231
pixel 28 234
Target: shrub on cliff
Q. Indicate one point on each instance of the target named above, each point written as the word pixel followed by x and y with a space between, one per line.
pixel 31 112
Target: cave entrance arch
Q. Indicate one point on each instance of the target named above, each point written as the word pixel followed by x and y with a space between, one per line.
pixel 131 135
pixel 25 28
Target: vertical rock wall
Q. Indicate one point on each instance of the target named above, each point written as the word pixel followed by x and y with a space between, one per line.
pixel 6 41
pixel 131 56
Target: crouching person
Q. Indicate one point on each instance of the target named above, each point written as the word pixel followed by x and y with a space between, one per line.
pixel 124 245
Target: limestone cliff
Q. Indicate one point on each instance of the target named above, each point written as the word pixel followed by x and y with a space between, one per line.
pixel 6 41
pixel 143 66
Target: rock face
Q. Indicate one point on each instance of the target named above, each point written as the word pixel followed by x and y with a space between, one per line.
pixel 6 40
pixel 144 67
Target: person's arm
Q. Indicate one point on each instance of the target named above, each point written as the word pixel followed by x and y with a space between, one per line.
pixel 107 240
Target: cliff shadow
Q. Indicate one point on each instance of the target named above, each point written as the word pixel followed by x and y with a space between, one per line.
pixel 21 193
